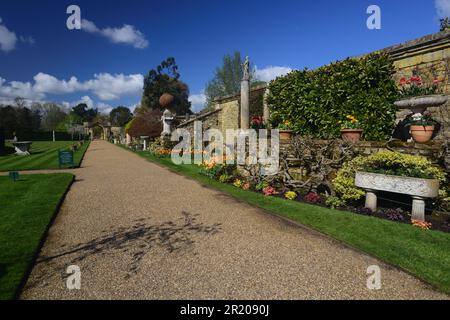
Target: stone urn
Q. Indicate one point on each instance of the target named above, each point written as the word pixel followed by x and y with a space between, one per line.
pixel 353 135
pixel 285 134
pixel 22 147
pixel 166 100
pixel 419 189
pixel 419 105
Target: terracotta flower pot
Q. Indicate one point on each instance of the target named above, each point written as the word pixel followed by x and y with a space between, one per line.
pixel 421 134
pixel 285 134
pixel 353 135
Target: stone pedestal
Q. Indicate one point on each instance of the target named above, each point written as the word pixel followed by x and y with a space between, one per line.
pixel 167 119
pixel 245 104
pixel 371 200
pixel 418 209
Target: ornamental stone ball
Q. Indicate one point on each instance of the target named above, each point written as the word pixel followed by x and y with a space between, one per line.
pixel 166 100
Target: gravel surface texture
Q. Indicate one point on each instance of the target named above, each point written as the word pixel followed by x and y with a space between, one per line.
pixel 139 231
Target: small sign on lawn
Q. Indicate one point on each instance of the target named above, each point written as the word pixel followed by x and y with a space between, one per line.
pixel 14 176
pixel 65 158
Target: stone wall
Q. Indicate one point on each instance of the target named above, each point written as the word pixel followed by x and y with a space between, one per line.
pixel 317 161
pixel 210 120
pixel 227 112
pixel 229 115
pixel 433 150
pixel 428 57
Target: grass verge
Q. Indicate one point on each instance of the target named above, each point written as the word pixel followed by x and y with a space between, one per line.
pixel 424 254
pixel 26 212
pixel 44 155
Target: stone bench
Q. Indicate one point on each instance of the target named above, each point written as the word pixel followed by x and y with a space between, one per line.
pixel 419 189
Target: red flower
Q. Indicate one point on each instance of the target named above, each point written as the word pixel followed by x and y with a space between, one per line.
pixel 403 81
pixel 312 197
pixel 256 120
pixel 436 81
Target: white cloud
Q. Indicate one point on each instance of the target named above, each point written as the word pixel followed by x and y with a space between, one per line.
pixel 197 101
pixel 443 8
pixel 101 106
pixel 127 34
pixel 15 89
pixel 86 100
pixel 45 83
pixel 110 87
pixel 271 72
pixel 8 38
pixel 104 85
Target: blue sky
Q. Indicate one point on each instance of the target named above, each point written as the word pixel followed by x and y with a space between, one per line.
pixel 104 62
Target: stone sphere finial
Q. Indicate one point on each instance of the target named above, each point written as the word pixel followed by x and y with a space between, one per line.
pixel 166 100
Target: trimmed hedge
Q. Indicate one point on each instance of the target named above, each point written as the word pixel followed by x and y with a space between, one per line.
pixel 314 101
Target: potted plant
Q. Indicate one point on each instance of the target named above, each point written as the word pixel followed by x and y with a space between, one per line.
pixel 257 122
pixel 417 96
pixel 421 127
pixel 351 129
pixel 285 130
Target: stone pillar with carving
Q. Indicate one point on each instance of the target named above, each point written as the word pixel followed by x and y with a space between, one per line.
pixel 245 95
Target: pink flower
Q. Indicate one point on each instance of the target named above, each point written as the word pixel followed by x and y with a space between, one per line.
pixel 269 191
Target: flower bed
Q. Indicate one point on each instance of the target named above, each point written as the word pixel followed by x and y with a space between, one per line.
pixel 271 188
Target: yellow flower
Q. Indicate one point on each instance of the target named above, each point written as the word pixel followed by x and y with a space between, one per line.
pixel 291 195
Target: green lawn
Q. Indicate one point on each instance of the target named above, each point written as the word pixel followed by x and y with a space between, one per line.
pixel 44 155
pixel 26 209
pixel 426 254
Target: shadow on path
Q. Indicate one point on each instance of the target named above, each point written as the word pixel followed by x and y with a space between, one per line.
pixel 138 240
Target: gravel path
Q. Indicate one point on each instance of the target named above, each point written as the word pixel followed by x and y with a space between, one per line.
pixel 138 231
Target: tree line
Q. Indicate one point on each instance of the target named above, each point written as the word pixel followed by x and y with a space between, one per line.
pixel 22 120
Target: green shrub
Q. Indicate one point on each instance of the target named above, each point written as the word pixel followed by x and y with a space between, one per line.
pixel 334 202
pixel 386 162
pixel 314 101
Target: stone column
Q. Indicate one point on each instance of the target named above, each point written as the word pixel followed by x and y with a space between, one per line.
pixel 245 95
pixel 245 104
pixel 418 209
pixel 371 200
pixel 266 111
